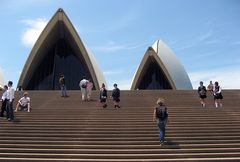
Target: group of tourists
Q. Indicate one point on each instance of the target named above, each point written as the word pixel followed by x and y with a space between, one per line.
pixel 214 89
pixel 86 90
pixel 8 100
pixel 115 96
pixel 86 86
pixel 160 114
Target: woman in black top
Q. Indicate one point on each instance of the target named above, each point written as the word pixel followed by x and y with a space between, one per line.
pixel 103 96
pixel 116 96
pixel 202 91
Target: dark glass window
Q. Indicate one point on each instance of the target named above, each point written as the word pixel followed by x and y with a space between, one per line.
pixel 153 77
pixel 60 59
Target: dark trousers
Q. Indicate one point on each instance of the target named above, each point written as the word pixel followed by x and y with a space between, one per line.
pixel 9 109
pixel 3 108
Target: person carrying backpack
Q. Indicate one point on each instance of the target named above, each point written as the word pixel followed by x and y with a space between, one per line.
pixel 160 115
pixel 62 83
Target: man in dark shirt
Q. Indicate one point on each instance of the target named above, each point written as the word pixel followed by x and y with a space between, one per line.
pixel 116 96
pixel 63 86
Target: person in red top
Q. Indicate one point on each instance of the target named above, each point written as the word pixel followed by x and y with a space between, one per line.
pixel 89 89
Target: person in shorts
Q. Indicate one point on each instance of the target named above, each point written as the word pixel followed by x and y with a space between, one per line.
pixel 202 91
pixel 103 96
pixel 23 103
pixel 217 94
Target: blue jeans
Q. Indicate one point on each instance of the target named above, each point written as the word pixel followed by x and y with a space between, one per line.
pixel 63 91
pixel 161 125
pixel 9 108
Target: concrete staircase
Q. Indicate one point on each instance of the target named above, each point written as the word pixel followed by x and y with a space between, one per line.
pixel 68 129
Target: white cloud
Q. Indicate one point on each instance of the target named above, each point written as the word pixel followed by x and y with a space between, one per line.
pixel 112 47
pixel 33 30
pixel 228 78
pixel 122 84
pixel 186 46
pixel 113 72
pixel 205 36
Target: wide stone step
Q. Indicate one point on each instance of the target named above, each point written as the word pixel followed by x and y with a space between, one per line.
pixel 68 129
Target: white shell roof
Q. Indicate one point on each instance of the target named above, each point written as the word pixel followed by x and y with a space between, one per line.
pixel 93 67
pixel 172 64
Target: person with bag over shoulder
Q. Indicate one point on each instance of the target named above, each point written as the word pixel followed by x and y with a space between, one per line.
pixel 160 115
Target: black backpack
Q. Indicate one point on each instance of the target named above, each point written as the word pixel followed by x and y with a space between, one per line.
pixel 161 112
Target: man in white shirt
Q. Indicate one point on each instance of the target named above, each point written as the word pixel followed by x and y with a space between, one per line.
pixel 23 103
pixel 10 99
pixel 83 87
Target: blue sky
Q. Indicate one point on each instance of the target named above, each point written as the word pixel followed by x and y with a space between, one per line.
pixel 204 35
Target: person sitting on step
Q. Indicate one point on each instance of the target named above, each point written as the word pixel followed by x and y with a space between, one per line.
pixel 23 103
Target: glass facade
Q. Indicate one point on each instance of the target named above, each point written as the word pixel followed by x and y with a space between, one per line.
pixel 62 58
pixel 153 77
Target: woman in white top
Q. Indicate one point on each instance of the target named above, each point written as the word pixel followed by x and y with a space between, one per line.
pixel 217 93
pixel 83 87
pixel 23 103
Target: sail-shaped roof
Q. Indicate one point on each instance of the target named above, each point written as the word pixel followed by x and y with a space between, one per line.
pixel 170 71
pixel 59 50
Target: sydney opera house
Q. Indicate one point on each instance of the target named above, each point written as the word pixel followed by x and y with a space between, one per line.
pixel 69 129
pixel 60 50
